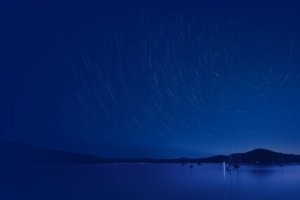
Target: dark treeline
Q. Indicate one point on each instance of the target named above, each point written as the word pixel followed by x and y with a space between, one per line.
pixel 16 153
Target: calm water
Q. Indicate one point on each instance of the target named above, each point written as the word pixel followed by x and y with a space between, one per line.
pixel 148 181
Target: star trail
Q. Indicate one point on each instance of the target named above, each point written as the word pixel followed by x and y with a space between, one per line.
pixel 154 82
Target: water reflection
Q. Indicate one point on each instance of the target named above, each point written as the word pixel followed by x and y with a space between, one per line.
pixel 263 171
pixel 150 181
pixel 263 182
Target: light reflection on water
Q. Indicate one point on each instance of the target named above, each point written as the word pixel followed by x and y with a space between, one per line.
pixel 149 181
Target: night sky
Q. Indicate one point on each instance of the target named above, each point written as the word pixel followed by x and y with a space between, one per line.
pixel 150 81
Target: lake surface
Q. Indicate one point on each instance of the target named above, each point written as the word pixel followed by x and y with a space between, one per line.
pixel 148 181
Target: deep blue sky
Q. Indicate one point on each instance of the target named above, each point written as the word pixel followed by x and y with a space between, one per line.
pixel 148 81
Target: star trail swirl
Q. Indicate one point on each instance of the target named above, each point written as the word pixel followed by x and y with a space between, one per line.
pixel 156 82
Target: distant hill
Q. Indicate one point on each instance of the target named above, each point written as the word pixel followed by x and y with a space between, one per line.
pixel 17 153
pixel 264 156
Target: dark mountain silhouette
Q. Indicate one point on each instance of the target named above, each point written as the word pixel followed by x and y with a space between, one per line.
pixel 17 153
pixel 264 156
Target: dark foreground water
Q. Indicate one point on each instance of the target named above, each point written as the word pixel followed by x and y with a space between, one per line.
pixel 148 181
